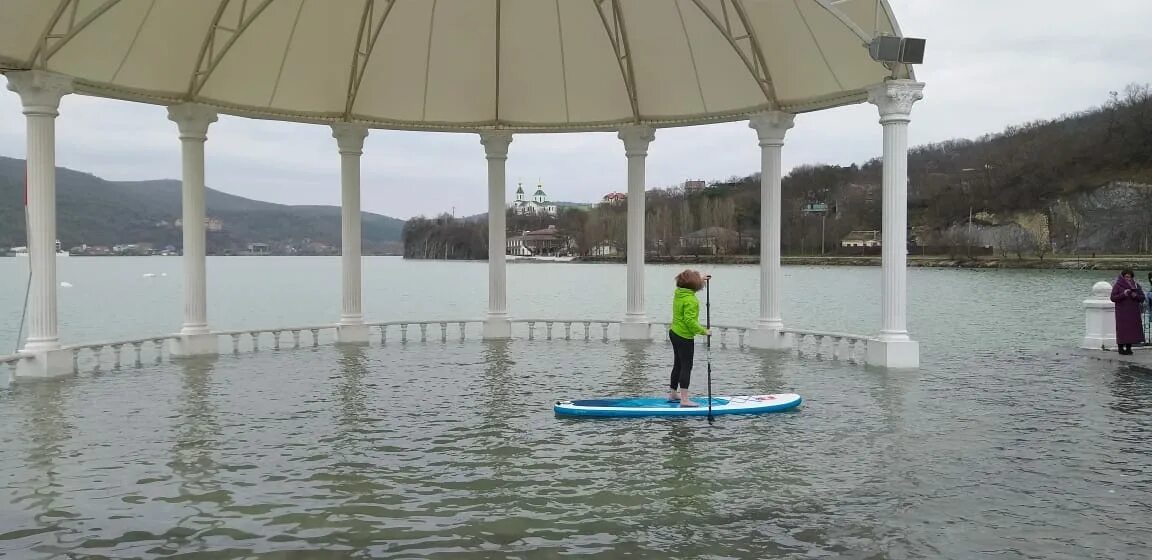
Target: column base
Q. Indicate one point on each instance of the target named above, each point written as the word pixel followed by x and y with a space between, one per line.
pixel 896 354
pixel 45 365
pixel 352 334
pixel 1097 342
pixel 185 345
pixel 769 339
pixel 639 330
pixel 497 328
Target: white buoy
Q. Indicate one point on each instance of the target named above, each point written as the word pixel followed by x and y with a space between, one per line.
pixel 65 285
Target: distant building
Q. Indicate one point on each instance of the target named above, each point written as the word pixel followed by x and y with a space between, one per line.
pixel 542 242
pixel 863 238
pixel 716 241
pixel 537 206
pixel 604 249
pixel 815 208
pixel 210 224
pixel 258 249
pixel 694 185
pixel 614 198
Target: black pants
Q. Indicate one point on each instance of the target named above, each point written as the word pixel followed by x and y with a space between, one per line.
pixel 1124 348
pixel 683 348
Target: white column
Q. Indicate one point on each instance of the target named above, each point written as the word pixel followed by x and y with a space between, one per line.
pixel 40 93
pixel 497 324
pixel 770 127
pixel 1099 319
pixel 894 348
pixel 195 339
pixel 636 140
pixel 350 140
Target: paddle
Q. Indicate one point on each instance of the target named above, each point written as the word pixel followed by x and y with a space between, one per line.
pixel 708 344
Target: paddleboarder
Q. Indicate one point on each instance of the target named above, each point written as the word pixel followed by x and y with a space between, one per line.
pixel 683 331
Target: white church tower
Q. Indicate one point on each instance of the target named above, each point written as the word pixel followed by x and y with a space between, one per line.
pixel 539 204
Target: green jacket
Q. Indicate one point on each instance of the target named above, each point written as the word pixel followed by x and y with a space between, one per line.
pixel 686 314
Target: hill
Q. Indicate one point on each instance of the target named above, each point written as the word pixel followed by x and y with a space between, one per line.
pixel 94 211
pixel 1079 183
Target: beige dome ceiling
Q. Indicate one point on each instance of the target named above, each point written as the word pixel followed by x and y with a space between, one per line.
pixel 460 65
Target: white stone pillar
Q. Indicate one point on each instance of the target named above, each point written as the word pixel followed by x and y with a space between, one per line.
pixel 497 324
pixel 894 348
pixel 194 339
pixel 1099 319
pixel 350 140
pixel 770 127
pixel 40 92
pixel 636 140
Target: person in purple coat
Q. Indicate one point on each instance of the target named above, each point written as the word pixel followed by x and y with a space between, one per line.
pixel 1128 295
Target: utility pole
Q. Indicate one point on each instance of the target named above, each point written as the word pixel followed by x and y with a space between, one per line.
pixel 823 217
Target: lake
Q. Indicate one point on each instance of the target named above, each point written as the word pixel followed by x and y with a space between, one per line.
pixel 1003 444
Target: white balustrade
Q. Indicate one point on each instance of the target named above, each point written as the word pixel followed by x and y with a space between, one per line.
pixel 97 356
pixel 837 346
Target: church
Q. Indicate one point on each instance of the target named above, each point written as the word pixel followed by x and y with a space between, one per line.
pixel 538 206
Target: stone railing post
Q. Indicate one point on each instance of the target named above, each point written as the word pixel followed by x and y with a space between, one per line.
pixel 1099 319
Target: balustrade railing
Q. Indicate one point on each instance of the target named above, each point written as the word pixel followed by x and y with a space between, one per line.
pixel 837 346
pixel 569 329
pixel 8 366
pixel 141 351
pixel 443 330
pixel 95 356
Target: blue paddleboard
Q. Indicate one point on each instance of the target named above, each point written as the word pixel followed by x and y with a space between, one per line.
pixel 660 406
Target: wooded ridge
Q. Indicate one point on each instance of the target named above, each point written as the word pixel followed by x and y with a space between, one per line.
pixel 1075 184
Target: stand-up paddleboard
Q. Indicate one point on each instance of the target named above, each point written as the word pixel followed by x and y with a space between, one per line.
pixel 660 406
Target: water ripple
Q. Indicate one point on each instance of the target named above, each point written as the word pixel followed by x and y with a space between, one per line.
pixel 452 451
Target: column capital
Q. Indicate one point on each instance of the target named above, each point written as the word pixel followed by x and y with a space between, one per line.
pixel 192 119
pixel 895 98
pixel 496 143
pixel 636 139
pixel 40 91
pixel 771 126
pixel 349 138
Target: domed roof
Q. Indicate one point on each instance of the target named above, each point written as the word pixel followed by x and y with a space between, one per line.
pixel 539 192
pixel 460 65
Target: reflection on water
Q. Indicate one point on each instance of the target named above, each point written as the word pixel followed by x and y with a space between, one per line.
pixel 451 450
pixel 46 428
pixel 196 436
pixel 635 371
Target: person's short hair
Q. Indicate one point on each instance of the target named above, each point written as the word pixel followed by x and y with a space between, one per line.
pixel 691 280
pixel 1127 272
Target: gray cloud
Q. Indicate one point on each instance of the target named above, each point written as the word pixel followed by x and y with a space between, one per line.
pixel 989 63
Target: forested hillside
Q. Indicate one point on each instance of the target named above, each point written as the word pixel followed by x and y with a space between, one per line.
pixel 93 211
pixel 1077 183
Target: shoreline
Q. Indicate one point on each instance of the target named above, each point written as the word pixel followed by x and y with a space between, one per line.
pixel 1062 262
pixel 1140 262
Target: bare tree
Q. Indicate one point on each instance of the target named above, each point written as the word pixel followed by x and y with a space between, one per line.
pixel 1015 240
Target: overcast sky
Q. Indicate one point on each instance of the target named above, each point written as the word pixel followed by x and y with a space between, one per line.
pixel 988 64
